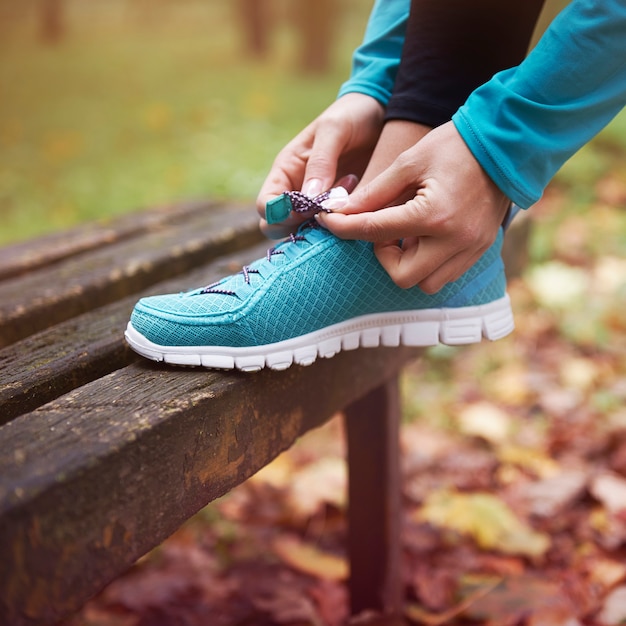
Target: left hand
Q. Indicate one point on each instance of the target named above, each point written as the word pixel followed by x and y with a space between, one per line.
pixel 431 214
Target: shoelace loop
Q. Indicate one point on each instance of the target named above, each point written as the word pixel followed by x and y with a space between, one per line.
pixel 301 203
pixel 246 270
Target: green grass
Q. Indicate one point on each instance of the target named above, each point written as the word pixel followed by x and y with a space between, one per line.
pixel 141 106
pixel 131 111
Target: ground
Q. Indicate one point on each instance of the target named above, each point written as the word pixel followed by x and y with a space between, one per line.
pixel 514 465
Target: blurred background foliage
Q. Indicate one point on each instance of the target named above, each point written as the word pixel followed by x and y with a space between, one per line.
pixel 113 105
pixel 109 106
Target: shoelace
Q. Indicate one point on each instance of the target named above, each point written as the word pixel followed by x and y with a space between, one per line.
pixel 301 203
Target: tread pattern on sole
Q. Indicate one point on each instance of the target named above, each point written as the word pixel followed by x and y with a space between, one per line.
pixel 460 326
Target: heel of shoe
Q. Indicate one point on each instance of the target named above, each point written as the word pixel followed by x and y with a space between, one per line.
pixel 491 321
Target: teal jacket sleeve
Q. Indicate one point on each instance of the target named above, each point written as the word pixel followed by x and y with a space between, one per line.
pixel 525 122
pixel 375 62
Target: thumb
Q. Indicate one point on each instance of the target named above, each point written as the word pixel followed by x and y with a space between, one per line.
pixel 321 166
pixel 393 186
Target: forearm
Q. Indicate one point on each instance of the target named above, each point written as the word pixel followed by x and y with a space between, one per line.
pixel 375 62
pixel 526 122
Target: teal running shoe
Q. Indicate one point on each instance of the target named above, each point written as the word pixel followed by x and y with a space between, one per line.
pixel 312 296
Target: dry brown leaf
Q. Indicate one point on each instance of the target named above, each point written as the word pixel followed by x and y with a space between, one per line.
pixel 552 495
pixel 309 559
pixel 418 614
pixel 614 609
pixel 530 459
pixel 610 490
pixel 277 474
pixel 485 420
pixel 321 482
pixel 607 572
pixel 520 598
pixel 509 384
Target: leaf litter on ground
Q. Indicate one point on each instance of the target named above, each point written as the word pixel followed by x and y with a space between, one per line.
pixel 514 466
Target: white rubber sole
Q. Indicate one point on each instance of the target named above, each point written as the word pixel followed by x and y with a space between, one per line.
pixel 421 328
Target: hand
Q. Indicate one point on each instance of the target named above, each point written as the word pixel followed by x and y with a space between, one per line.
pixel 450 218
pixel 331 151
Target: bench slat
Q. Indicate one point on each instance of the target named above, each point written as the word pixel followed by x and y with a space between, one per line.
pixel 109 470
pixel 85 281
pixel 54 361
pixel 30 255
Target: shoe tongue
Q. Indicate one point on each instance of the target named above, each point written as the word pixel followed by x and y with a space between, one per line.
pixel 308 234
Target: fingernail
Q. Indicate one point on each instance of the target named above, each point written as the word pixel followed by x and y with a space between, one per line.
pixel 335 203
pixel 312 187
pixel 337 192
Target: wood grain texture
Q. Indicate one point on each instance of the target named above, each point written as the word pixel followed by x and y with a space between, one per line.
pixel 102 456
pixel 106 472
pixel 56 360
pixel 30 255
pixel 84 281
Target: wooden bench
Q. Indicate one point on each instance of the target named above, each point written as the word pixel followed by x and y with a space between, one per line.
pixel 103 454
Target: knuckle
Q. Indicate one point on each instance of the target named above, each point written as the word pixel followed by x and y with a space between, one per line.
pixel 371 228
pixel 404 280
pixel 429 286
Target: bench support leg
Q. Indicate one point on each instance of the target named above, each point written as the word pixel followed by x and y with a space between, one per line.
pixel 372 425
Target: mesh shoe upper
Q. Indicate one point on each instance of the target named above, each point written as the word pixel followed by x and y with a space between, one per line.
pixel 306 283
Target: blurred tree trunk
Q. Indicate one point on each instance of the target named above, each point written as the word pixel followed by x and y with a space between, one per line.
pixel 51 23
pixel 254 18
pixel 315 20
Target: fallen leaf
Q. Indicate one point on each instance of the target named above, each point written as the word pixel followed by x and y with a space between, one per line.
pixel 509 384
pixel 321 482
pixel 614 609
pixel 529 459
pixel 435 587
pixel 552 495
pixel 486 519
pixel 610 490
pixel 309 559
pixel 579 373
pixel 558 286
pixel 607 572
pixel 277 474
pixel 609 274
pixel 286 604
pixel 481 587
pixel 485 420
pixel 331 598
pixel 520 598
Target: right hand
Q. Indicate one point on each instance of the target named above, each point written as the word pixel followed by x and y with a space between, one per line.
pixel 331 151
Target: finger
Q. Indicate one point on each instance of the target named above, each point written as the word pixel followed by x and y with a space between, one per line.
pixel 321 165
pixel 388 224
pixel 393 186
pixel 348 182
pixel 414 261
pixel 427 262
pixel 285 175
pixel 450 271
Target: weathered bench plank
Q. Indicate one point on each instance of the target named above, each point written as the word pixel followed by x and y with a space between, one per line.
pixel 52 362
pixel 106 472
pixel 87 280
pixel 30 255
pixel 103 455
